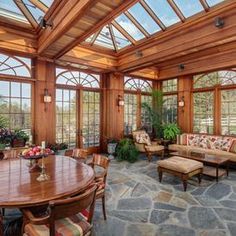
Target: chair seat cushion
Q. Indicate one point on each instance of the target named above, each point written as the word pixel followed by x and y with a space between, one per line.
pixel 154 148
pixel 70 226
pixel 180 164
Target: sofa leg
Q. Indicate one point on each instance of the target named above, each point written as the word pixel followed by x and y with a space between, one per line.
pixel 199 176
pixel 160 173
pixel 185 183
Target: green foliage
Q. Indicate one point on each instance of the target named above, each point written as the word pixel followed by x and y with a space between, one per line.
pixel 171 131
pixel 155 112
pixel 3 122
pixel 20 134
pixel 126 151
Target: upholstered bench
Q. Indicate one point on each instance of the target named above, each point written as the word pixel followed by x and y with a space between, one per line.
pixel 181 167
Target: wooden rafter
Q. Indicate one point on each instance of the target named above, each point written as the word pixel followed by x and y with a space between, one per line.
pixel 123 32
pixel 205 5
pixel 123 7
pixel 176 10
pixel 113 37
pixel 26 13
pixel 95 37
pixel 136 23
pixel 39 5
pixel 152 14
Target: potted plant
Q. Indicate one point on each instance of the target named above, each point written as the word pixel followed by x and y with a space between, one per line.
pixel 19 138
pixel 111 147
pixel 5 137
pixel 171 131
pixel 126 151
pixel 58 148
pixel 155 111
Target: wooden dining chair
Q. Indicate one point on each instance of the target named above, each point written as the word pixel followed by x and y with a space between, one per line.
pixel 100 161
pixel 63 217
pixel 78 154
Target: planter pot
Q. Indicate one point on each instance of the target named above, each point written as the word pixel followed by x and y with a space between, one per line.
pixel 61 152
pixel 111 149
pixel 18 143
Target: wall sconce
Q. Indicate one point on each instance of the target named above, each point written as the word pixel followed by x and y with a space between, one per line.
pixel 181 103
pixel 120 102
pixel 219 22
pixel 46 97
pixel 181 67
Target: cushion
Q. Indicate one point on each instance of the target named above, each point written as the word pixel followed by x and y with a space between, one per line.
pixel 70 226
pixel 183 139
pixel 180 164
pixel 233 146
pixel 154 148
pixel 193 140
pixel 143 138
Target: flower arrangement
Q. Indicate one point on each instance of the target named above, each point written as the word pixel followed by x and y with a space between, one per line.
pixel 57 146
pixel 5 136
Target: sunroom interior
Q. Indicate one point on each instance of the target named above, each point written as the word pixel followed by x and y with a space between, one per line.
pixel 79 75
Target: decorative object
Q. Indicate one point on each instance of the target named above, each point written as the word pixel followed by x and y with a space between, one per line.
pixel 44 24
pixel 126 151
pixel 155 112
pixel 181 103
pixel 111 147
pixel 171 131
pixel 47 98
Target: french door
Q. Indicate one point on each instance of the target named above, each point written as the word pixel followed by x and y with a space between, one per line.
pixel 78 118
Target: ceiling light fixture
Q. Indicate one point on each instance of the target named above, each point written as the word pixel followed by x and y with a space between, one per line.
pixel 219 22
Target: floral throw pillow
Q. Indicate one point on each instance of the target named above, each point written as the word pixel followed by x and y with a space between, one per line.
pixel 220 143
pixel 193 140
pixel 143 138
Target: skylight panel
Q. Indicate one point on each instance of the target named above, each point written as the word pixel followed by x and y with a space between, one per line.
pixel 189 7
pixel 35 12
pixel 120 40
pixel 47 3
pixel 211 3
pixel 9 9
pixel 104 38
pixel 130 28
pixel 144 19
pixel 163 11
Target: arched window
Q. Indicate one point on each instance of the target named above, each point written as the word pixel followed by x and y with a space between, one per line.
pixel 225 77
pixel 217 87
pixel 78 108
pixel 15 66
pixel 138 85
pixel 137 91
pixel 77 78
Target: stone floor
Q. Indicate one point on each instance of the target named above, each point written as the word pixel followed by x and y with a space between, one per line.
pixel 137 204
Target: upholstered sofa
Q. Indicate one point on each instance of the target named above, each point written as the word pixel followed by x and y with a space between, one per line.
pixel 223 146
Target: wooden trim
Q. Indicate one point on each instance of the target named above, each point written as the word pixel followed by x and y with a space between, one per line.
pixel 94 37
pixel 39 5
pixel 26 13
pixel 136 23
pixel 112 37
pixel 152 14
pixel 205 5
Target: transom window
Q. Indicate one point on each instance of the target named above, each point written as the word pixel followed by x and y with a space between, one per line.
pixel 170 85
pixel 77 78
pixel 15 66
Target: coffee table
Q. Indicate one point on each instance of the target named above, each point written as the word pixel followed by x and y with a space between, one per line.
pixel 212 163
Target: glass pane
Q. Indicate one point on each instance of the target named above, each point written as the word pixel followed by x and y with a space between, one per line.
pixel 170 109
pixel 144 19
pixel 36 12
pixel 138 84
pixel 15 89
pixel 127 25
pixel 213 2
pixel 170 85
pixel 121 41
pixel 189 7
pixel 145 118
pixel 9 9
pixel 164 11
pixel 47 3
pixel 228 112
pixel 203 118
pixel 4 89
pixel 104 38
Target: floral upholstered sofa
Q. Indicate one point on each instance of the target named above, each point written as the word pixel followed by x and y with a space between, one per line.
pixel 223 146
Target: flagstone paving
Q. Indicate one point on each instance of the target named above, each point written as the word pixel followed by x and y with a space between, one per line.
pixel 138 205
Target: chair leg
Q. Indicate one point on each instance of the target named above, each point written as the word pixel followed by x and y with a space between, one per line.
pixel 160 173
pixel 199 176
pixel 185 183
pixel 3 211
pixel 104 207
pixel 149 156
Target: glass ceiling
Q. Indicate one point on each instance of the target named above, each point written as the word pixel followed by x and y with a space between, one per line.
pixel 13 9
pixel 144 19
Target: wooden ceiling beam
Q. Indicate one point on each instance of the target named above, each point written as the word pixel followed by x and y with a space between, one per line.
pixel 65 18
pixel 205 5
pixel 176 10
pixel 39 5
pixel 123 7
pixel 26 13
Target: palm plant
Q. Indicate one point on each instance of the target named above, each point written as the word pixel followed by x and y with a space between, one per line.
pixel 155 112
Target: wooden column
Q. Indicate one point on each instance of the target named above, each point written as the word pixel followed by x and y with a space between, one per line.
pixel 113 115
pixel 44 113
pixel 185 113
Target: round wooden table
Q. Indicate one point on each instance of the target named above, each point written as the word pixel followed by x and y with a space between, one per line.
pixel 19 188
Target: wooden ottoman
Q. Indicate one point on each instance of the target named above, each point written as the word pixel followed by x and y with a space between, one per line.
pixel 181 167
